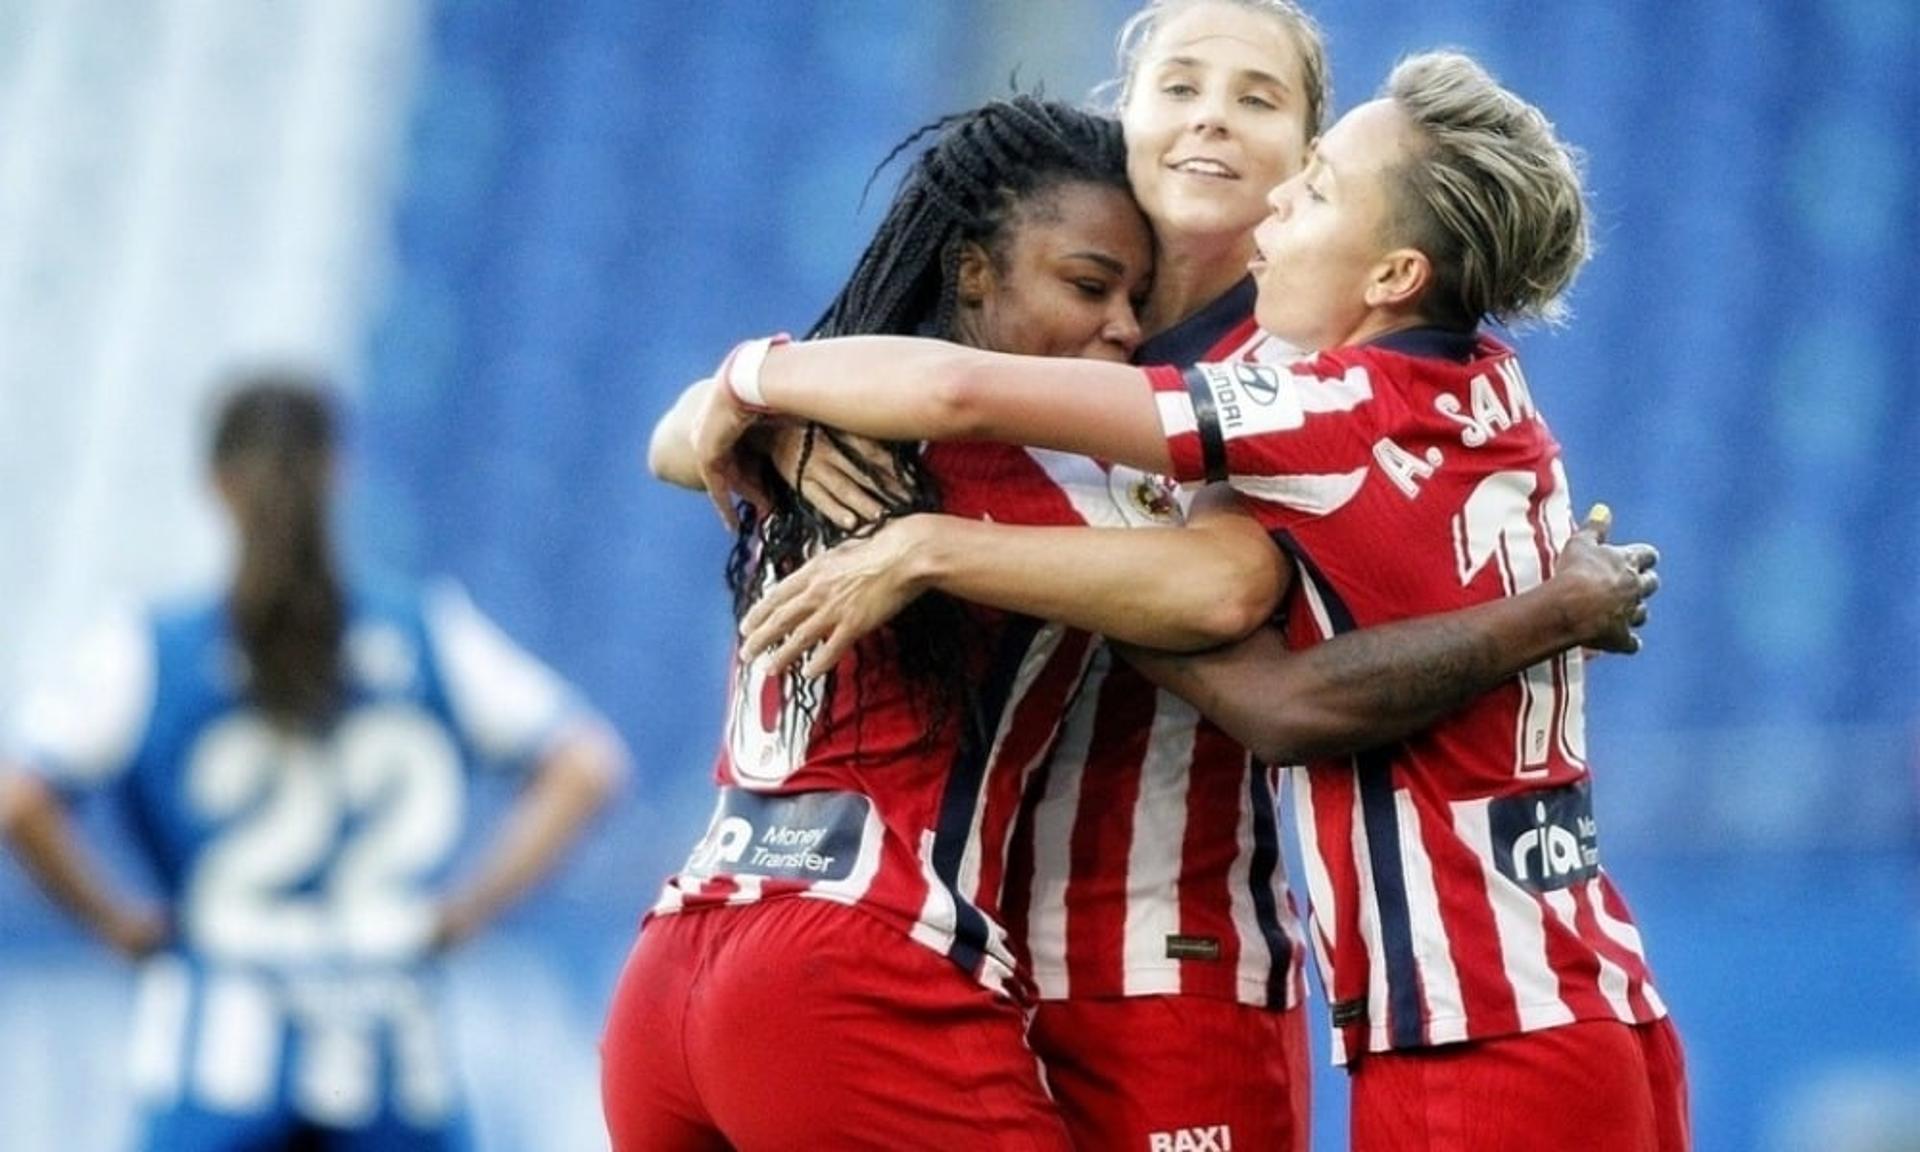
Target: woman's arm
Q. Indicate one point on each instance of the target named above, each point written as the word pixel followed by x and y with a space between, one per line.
pixel 1369 687
pixel 1207 584
pixel 809 460
pixel 572 782
pixel 904 388
pixel 34 821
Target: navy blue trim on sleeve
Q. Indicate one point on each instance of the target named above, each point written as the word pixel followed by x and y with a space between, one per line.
pixel 1206 418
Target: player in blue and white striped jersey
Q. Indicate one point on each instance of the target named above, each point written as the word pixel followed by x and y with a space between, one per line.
pixel 294 754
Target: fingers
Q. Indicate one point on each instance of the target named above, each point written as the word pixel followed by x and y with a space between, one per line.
pixel 1599 522
pixel 1641 557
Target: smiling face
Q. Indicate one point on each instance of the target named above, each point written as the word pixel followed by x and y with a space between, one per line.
pixel 1070 266
pixel 1329 269
pixel 1215 116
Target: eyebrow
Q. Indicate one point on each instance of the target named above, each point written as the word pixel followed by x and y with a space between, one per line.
pixel 1101 258
pixel 1256 75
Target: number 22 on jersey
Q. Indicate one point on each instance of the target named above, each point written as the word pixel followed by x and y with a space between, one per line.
pixel 322 845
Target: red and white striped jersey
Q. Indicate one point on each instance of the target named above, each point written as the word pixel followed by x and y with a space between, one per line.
pixel 1454 878
pixel 862 806
pixel 1147 860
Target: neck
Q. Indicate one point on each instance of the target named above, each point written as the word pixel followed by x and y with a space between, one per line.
pixel 1381 322
pixel 1192 276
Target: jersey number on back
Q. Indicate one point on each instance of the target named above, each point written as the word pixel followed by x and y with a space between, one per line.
pixel 1510 525
pixel 322 844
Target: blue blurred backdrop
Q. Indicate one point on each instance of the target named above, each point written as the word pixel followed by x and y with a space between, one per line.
pixel 517 229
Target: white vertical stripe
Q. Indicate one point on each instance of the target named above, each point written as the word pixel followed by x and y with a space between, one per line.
pixel 1439 980
pixel 1156 848
pixel 237 1059
pixel 1613 979
pixel 422 1072
pixel 1520 925
pixel 1033 663
pixel 336 1072
pixel 1627 936
pixel 1053 823
pixel 1325 923
pixel 1256 958
pixel 161 1008
pixel 1316 606
pixel 1378 1026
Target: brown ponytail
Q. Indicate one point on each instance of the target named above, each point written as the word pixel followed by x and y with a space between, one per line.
pixel 272 449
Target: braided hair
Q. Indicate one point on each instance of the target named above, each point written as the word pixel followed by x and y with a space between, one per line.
pixel 272 449
pixel 967 187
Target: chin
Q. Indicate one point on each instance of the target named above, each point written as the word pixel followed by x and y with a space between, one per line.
pixel 1205 217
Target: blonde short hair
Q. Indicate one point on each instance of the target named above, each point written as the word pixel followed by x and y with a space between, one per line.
pixel 1139 30
pixel 1490 194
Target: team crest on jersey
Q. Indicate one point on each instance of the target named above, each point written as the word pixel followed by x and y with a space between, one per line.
pixel 1154 497
pixel 1546 840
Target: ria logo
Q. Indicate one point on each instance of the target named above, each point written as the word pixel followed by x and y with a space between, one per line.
pixel 1546 840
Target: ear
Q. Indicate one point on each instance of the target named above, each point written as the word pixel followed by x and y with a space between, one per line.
pixel 1399 279
pixel 976 275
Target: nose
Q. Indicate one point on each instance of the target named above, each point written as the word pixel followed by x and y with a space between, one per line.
pixel 1208 116
pixel 1280 198
pixel 1122 329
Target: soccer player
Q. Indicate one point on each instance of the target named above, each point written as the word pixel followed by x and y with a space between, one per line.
pixel 294 754
pixel 1489 988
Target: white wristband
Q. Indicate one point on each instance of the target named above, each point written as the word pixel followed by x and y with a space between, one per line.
pixel 742 370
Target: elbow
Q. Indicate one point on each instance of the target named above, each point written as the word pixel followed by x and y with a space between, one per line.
pixel 594 765
pixel 1238 606
pixel 23 800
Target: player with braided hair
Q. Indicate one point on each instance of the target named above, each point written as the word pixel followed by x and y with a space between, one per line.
pixel 829 969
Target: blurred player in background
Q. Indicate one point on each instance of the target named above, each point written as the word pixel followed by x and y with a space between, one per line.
pixel 1488 986
pixel 293 756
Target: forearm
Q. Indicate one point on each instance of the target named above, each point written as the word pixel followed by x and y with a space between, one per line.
pixel 670 453
pixel 900 388
pixel 572 783
pixel 1367 687
pixel 1168 588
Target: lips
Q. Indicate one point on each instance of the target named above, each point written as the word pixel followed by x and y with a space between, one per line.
pixel 1205 166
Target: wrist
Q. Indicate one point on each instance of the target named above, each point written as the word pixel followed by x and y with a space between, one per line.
pixel 922 550
pixel 740 372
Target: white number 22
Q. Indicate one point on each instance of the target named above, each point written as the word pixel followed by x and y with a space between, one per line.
pixel 325 843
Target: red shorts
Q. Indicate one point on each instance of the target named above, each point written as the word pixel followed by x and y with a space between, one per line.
pixel 803 1024
pixel 1598 1085
pixel 1160 1073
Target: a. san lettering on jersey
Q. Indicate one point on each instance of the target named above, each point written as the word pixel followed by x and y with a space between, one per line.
pixel 1454 878
pixel 869 805
pixel 1148 858
pixel 302 867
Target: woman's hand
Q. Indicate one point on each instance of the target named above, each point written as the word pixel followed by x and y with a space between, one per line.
pixel 1604 587
pixel 851 480
pixel 829 603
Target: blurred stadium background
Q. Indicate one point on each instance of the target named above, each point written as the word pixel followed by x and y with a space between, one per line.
pixel 514 230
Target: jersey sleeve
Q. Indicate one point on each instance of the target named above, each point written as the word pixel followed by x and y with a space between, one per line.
pixel 1294 435
pixel 82 728
pixel 507 704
